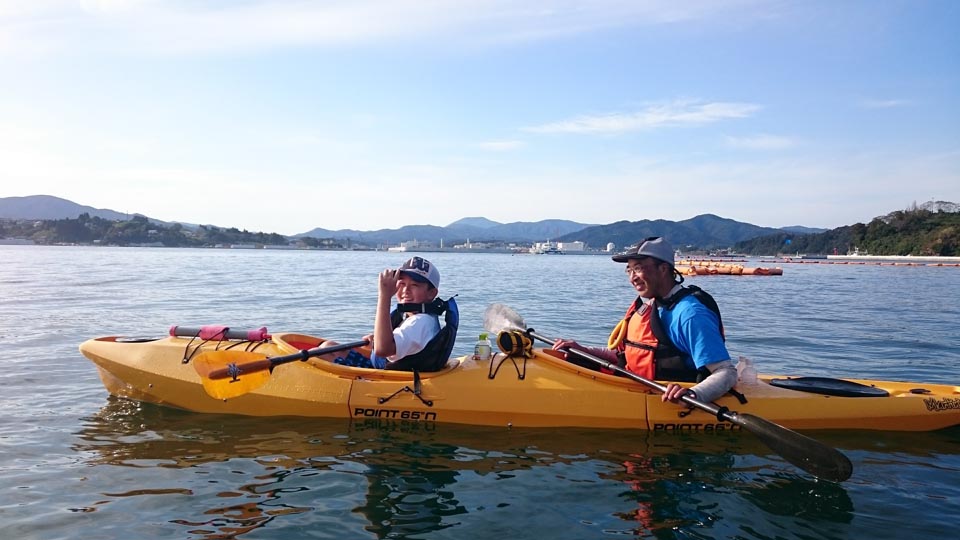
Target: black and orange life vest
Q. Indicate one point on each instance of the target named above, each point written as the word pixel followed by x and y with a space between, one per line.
pixel 646 349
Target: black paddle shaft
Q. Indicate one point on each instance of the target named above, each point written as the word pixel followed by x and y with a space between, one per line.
pixel 233 370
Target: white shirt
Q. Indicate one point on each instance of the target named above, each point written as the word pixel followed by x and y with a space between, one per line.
pixel 413 334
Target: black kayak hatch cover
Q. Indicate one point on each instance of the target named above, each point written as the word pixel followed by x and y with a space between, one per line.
pixel 829 386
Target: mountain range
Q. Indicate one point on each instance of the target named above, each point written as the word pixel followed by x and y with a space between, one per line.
pixel 476 229
pixel 704 231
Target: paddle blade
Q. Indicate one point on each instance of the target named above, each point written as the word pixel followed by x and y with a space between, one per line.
pixel 808 454
pixel 248 378
pixel 498 317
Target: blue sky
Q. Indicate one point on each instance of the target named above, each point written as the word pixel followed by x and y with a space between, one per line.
pixel 283 116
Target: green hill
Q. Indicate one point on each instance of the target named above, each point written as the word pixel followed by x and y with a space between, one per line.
pixel 704 231
pixel 915 232
pixel 136 231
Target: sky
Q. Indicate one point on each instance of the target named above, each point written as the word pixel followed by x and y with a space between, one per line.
pixel 283 116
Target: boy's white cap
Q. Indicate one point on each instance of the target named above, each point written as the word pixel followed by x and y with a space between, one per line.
pixel 422 270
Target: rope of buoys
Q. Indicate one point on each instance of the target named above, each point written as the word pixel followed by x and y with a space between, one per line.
pixel 862 263
pixel 707 268
pixel 708 261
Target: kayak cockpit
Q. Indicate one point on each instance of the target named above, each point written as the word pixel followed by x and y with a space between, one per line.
pixel 288 343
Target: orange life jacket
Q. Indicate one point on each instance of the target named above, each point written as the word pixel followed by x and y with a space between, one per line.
pixel 647 350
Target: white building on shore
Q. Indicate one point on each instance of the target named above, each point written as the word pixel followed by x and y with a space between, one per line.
pixel 571 247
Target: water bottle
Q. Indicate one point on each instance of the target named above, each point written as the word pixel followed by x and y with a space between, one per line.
pixel 746 373
pixel 483 348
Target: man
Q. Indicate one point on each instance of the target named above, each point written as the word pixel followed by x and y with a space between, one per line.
pixel 669 333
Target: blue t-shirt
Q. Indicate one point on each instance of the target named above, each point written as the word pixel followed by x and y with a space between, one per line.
pixel 695 330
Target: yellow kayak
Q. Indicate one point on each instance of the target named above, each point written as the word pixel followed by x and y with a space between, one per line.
pixel 544 390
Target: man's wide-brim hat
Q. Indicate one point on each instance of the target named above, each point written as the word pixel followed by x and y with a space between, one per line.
pixel 421 270
pixel 654 246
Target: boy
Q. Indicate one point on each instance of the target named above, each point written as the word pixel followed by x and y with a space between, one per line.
pixel 415 284
pixel 409 337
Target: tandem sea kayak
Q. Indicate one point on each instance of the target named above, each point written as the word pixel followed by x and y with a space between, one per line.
pixel 236 374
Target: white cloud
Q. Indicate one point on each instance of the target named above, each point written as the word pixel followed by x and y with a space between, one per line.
pixel 184 26
pixel 673 114
pixel 884 103
pixel 501 146
pixel 761 142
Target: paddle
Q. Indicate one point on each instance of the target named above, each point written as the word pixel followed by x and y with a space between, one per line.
pixel 808 454
pixel 228 374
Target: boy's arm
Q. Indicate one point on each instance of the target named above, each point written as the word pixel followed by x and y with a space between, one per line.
pixel 383 344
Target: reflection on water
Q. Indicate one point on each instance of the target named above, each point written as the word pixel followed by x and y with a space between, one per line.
pixel 226 476
pixel 410 489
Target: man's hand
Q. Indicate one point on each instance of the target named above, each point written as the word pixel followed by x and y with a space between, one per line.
pixel 563 345
pixel 674 392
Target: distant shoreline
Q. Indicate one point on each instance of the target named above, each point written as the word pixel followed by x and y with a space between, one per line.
pixel 269 247
pixel 894 258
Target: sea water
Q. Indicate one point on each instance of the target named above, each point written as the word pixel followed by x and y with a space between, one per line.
pixel 76 463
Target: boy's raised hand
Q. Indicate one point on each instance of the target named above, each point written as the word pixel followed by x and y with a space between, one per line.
pixel 388 281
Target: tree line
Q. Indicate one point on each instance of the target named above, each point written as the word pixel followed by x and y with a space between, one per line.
pixel 908 232
pixel 140 231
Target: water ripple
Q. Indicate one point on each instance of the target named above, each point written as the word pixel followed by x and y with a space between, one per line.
pixel 73 459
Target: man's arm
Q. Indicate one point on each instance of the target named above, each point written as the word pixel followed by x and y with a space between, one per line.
pixel 601 352
pixel 723 375
pixel 698 334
